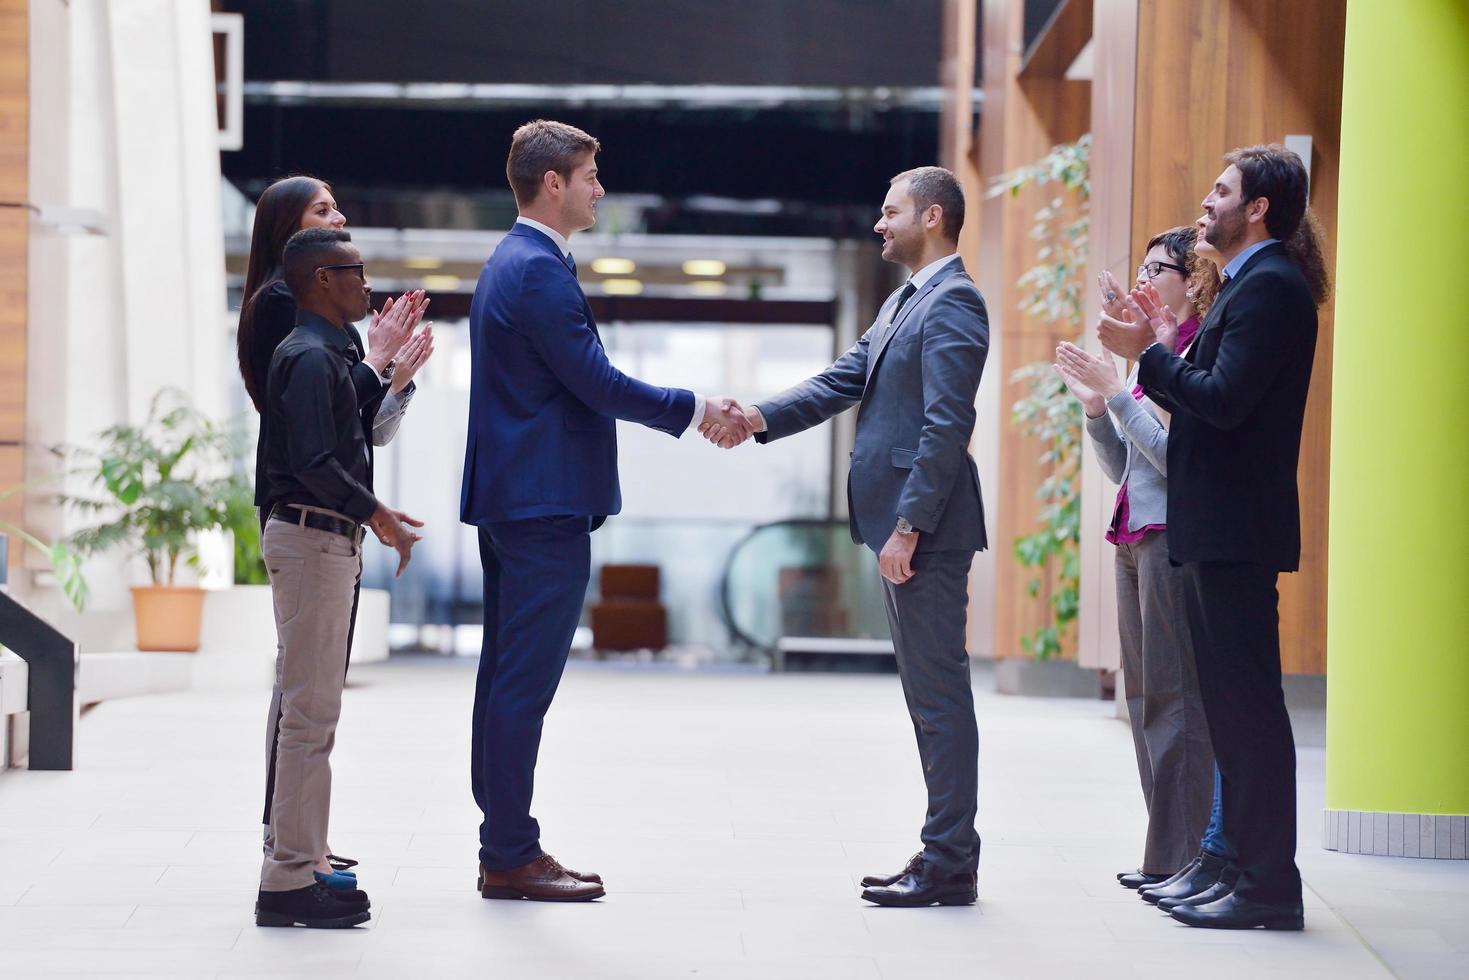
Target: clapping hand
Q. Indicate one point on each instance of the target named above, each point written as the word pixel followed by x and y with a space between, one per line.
pixel 392 326
pixel 411 356
pixel 1092 378
pixel 1112 297
pixel 1150 321
pixel 727 423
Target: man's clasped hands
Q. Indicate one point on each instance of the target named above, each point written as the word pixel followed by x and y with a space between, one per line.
pixel 727 423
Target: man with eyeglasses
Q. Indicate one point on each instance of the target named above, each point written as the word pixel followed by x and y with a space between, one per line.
pixel 320 500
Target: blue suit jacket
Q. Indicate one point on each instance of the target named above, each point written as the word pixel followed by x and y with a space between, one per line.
pixel 543 396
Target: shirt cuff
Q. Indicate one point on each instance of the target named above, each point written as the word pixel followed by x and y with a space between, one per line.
pixel 699 402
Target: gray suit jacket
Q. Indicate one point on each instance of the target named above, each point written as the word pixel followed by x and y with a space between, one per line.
pixel 1132 446
pixel 915 384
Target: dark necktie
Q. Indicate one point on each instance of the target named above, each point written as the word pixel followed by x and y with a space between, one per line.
pixel 570 263
pixel 908 290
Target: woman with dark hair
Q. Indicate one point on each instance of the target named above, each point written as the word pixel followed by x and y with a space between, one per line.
pixel 1130 433
pixel 383 376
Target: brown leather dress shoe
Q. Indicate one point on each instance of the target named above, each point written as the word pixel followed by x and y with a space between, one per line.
pixel 543 880
pixel 479 878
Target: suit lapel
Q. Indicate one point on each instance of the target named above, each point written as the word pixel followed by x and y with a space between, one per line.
pixel 892 331
pixel 543 241
pixel 1216 312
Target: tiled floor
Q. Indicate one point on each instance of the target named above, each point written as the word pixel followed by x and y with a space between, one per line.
pixel 731 815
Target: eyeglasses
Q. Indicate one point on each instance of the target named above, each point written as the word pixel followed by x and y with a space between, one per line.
pixel 361 272
pixel 1152 270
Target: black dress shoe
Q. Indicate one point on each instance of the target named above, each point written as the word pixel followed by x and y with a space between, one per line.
pixel 882 881
pixel 1233 912
pixel 1138 879
pixel 925 887
pixel 1213 893
pixel 316 907
pixel 1199 875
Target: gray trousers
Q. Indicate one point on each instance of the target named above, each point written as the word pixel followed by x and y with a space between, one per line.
pixel 1175 758
pixel 312 577
pixel 926 615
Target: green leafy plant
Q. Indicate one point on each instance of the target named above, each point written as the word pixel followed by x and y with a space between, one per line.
pixel 1047 412
pixel 66 564
pixel 157 485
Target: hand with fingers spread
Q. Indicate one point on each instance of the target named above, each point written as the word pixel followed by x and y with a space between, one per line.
pixel 411 357
pixel 727 423
pixel 391 527
pixel 1094 373
pixel 392 326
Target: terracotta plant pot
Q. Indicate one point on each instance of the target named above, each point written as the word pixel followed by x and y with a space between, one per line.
pixel 168 617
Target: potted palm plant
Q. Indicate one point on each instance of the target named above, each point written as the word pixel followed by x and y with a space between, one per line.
pixel 154 488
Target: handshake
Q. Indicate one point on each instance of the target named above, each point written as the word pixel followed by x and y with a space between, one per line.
pixel 727 423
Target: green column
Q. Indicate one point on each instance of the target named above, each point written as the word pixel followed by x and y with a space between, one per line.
pixel 1397 732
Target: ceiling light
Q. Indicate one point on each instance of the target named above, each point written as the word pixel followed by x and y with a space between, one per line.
pixel 622 287
pixel 708 287
pixel 609 266
pixel 441 283
pixel 703 267
pixel 423 262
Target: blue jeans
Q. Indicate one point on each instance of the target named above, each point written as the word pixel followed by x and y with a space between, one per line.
pixel 1214 840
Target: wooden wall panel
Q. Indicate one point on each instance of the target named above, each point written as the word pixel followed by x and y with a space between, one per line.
pixel 1213 75
pixel 14 99
pixel 1022 119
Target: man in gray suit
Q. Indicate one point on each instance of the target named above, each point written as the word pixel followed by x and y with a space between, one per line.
pixel 913 496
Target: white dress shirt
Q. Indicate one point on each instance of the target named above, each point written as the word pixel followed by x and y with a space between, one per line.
pixel 561 243
pixel 923 275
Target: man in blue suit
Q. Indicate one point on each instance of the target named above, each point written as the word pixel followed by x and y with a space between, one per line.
pixel 540 474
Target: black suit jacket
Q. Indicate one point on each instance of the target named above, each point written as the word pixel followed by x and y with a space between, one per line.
pixel 1238 398
pixel 275 318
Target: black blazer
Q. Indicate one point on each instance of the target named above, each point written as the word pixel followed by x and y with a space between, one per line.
pixel 275 318
pixel 1238 398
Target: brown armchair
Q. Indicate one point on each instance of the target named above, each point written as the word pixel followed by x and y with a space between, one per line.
pixel 628 614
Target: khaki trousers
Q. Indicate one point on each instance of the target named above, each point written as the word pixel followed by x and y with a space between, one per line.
pixel 312 577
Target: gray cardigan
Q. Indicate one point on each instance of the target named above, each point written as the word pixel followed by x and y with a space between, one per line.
pixel 1132 446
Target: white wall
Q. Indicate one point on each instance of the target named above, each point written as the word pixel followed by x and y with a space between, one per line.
pixel 123 137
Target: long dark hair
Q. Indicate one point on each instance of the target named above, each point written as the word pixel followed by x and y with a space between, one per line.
pixel 1304 248
pixel 277 218
pixel 1202 278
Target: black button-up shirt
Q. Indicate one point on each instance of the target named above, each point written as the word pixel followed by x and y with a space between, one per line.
pixel 275 318
pixel 317 453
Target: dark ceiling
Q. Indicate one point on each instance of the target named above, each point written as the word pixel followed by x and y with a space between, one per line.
pixel 829 163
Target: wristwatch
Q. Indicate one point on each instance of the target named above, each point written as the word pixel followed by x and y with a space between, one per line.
pixel 904 527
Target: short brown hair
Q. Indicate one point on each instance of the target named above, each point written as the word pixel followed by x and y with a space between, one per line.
pixel 1200 276
pixel 540 146
pixel 935 185
pixel 1278 175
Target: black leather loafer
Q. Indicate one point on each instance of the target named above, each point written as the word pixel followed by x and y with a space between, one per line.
pixel 1138 879
pixel 883 881
pixel 1198 876
pixel 925 887
pixel 1233 912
